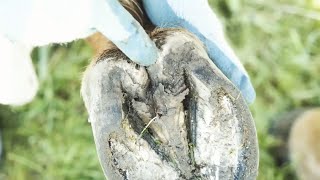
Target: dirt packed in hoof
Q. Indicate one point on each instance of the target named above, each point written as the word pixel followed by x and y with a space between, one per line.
pixel 180 118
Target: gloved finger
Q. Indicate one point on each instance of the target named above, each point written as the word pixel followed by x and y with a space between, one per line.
pixel 40 22
pixel 113 21
pixel 18 79
pixel 197 17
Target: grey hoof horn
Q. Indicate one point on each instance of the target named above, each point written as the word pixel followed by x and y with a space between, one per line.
pixel 180 118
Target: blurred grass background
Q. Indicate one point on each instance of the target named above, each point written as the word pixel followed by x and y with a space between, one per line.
pixel 278 41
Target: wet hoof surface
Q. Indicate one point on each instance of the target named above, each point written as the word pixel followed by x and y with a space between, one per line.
pixel 180 118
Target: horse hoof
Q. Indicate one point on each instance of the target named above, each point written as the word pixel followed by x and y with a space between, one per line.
pixel 179 118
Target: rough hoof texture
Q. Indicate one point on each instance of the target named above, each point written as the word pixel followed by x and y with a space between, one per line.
pixel 180 118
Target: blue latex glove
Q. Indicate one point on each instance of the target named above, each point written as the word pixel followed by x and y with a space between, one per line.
pixel 40 22
pixel 198 17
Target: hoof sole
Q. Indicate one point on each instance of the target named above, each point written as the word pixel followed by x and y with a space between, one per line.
pixel 180 118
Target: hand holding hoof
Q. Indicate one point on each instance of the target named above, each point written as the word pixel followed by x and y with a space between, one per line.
pixel 179 118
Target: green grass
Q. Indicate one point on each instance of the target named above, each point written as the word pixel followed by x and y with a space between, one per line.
pixel 278 41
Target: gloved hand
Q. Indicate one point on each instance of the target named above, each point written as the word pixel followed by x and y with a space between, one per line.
pixel 39 22
pixel 25 24
pixel 198 17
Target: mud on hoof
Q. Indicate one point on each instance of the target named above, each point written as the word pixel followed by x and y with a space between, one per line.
pixel 180 118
